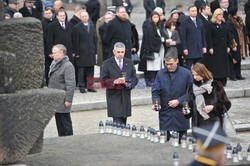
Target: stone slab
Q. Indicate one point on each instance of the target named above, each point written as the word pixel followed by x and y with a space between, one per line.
pixel 2 15
pixel 98 149
pixel 7 72
pixel 24 38
pixel 23 117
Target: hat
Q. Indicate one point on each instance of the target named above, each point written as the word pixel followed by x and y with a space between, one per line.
pixel 48 4
pixel 210 138
pixel 13 2
pixel 30 1
pixel 233 11
pixel 174 10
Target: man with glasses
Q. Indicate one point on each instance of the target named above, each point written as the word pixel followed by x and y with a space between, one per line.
pixel 119 30
pixel 169 92
pixel 119 77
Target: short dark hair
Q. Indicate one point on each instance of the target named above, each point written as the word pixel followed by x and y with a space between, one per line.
pixel 191 7
pixel 203 6
pixel 179 6
pixel 169 23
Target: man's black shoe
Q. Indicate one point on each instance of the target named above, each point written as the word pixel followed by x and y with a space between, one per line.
pixel 92 90
pixel 233 79
pixel 83 91
pixel 241 78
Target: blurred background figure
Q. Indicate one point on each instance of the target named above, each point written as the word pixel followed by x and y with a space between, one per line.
pixel 11 9
pixel 150 5
pixel 125 3
pixel 93 8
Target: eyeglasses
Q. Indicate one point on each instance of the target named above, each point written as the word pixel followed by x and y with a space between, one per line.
pixel 120 52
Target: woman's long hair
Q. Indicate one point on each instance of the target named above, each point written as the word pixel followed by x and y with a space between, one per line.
pixel 216 13
pixel 158 24
pixel 202 71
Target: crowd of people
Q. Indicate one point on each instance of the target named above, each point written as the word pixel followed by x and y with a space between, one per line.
pixel 185 58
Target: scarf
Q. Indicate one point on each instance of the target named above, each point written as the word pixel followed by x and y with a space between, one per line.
pixel 55 65
pixel 199 99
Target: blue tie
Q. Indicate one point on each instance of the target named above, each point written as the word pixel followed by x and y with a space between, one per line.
pixel 195 23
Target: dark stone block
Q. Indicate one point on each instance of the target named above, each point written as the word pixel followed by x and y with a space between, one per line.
pixel 7 72
pixel 2 15
pixel 24 38
pixel 23 117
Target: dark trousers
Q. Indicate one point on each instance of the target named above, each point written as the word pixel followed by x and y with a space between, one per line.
pixel 190 62
pixel 64 124
pixel 181 133
pixel 150 77
pixel 47 65
pixel 222 80
pixel 235 69
pixel 85 73
pixel 121 120
pixel 76 70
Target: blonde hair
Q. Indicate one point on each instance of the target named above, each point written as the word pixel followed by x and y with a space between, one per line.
pixel 216 13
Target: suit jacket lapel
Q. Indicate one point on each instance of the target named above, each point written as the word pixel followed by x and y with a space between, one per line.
pixel 114 64
pixel 125 65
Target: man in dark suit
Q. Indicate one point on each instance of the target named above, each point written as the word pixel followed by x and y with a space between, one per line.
pixel 119 30
pixel 29 10
pixel 198 4
pixel 47 19
pixel 150 5
pixel 119 77
pixel 193 38
pixel 60 32
pixel 205 16
pixel 93 8
pixel 226 5
pixel 85 42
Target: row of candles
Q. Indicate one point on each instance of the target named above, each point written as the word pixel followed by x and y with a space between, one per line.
pixel 234 153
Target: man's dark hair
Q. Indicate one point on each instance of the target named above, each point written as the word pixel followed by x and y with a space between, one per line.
pixel 203 6
pixel 191 7
pixel 179 6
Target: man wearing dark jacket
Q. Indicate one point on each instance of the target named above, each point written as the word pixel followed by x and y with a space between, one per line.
pixel 150 5
pixel 47 19
pixel 119 30
pixel 76 17
pixel 119 77
pixel 60 32
pixel 170 91
pixel 125 3
pixel 85 42
pixel 198 4
pixel 93 8
pixel 193 39
pixel 11 9
pixel 29 9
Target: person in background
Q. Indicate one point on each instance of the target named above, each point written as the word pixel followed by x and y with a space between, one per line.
pixel 29 10
pixel 119 76
pixel 150 5
pixel 47 19
pixel 193 38
pixel 207 98
pixel 210 144
pixel 170 91
pixel 198 4
pixel 11 9
pixel 48 5
pixel 58 4
pixel 125 3
pixel 182 16
pixel 219 47
pixel 239 44
pixel 62 76
pixel 93 8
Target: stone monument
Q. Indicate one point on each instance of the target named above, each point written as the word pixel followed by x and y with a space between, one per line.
pixel 25 107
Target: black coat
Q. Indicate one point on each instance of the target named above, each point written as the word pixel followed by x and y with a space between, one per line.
pixel 74 20
pixel 175 37
pixel 118 31
pixel 220 40
pixel 25 12
pixel 193 38
pixel 198 4
pixel 153 40
pixel 218 98
pixel 118 96
pixel 234 36
pixel 58 35
pixel 45 26
pixel 85 44
pixel 10 11
pixel 128 5
pixel 105 47
pixel 247 22
pixel 149 6
pixel 134 38
pixel 93 8
pixel 247 7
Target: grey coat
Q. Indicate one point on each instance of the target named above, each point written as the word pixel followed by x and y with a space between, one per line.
pixel 62 76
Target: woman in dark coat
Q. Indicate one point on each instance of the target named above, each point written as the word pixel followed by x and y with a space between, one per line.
pixel 239 47
pixel 155 44
pixel 207 98
pixel 219 47
pixel 134 39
